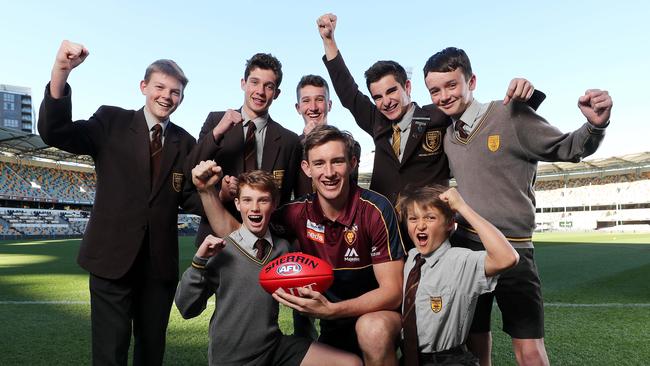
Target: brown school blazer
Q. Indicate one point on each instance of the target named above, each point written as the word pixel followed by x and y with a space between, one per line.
pixel 127 206
pixel 281 157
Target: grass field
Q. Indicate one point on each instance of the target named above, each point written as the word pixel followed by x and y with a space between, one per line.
pixel 596 289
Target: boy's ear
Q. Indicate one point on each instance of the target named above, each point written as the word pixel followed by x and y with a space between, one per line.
pixel 305 168
pixel 451 225
pixel 237 203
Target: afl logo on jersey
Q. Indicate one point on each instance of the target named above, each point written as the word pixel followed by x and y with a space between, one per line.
pixel 288 269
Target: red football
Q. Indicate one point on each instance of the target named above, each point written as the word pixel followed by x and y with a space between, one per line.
pixel 294 270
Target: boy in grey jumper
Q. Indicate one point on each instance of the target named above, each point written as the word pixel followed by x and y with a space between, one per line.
pixel 244 327
pixel 493 150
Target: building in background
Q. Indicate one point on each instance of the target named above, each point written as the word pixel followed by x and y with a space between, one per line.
pixel 16 109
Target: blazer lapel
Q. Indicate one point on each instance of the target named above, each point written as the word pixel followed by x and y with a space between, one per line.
pixel 170 153
pixel 419 125
pixel 237 138
pixel 142 158
pixel 271 146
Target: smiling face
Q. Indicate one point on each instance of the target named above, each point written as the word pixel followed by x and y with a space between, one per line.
pixel 329 168
pixel 391 98
pixel 450 91
pixel 313 104
pixel 260 89
pixel 163 94
pixel 255 207
pixel 428 227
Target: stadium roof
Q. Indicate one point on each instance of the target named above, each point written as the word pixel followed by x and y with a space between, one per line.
pixel 638 160
pixel 26 145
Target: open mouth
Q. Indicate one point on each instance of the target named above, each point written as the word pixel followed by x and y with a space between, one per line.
pixel 163 104
pixel 390 108
pixel 255 218
pixel 330 183
pixel 422 238
pixel 259 101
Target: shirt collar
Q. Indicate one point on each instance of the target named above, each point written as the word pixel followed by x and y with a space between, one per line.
pixel 433 257
pixel 249 239
pixel 260 122
pixel 346 217
pixel 152 121
pixel 405 122
pixel 471 114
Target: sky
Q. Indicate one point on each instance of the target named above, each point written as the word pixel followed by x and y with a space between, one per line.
pixel 562 47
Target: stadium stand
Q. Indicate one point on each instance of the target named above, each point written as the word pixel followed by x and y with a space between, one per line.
pixel 603 194
pixel 45 192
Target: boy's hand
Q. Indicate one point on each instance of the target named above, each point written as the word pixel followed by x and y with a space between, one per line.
pixel 229 187
pixel 519 90
pixel 210 247
pixel 453 198
pixel 228 121
pixel 596 105
pixel 70 55
pixel 205 175
pixel 326 26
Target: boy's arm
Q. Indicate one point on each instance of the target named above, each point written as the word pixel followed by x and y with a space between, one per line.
pixel 362 108
pixel 55 116
pixel 195 288
pixel 500 254
pixel 544 142
pixel 205 176
pixel 69 56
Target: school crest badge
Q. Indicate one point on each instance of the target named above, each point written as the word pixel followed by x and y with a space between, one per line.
pixel 436 303
pixel 278 175
pixel 350 234
pixel 177 181
pixel 432 141
pixel 493 142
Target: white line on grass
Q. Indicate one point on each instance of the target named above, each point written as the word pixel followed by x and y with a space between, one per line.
pixel 550 304
pixel 52 302
pixel 605 305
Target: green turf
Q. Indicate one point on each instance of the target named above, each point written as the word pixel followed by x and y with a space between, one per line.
pixel 607 270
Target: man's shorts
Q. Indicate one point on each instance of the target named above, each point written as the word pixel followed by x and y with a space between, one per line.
pixel 341 334
pixel 518 294
pixel 289 350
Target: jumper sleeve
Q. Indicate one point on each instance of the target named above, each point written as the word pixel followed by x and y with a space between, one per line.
pixel 194 289
pixel 542 141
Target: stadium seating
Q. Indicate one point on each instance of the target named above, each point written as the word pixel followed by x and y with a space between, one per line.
pixel 49 184
pixel 569 200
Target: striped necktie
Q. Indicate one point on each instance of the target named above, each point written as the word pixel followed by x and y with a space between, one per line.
pixel 155 151
pixel 460 128
pixel 397 140
pixel 250 148
pixel 260 246
pixel 409 323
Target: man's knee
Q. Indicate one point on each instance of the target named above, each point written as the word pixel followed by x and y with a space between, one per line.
pixel 378 330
